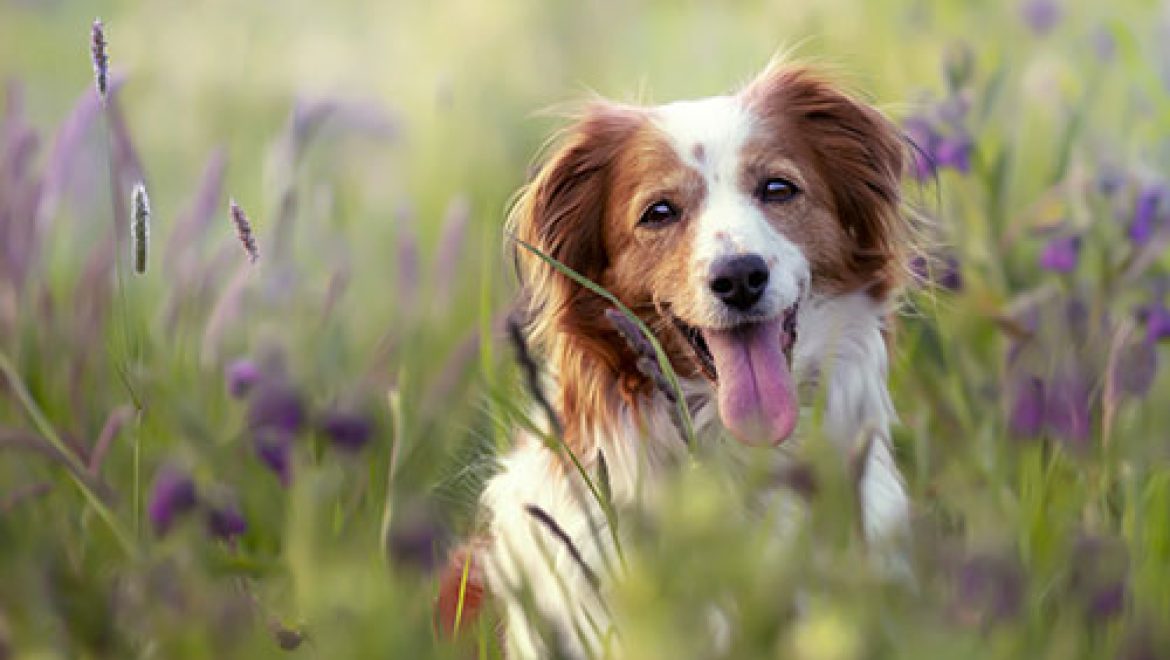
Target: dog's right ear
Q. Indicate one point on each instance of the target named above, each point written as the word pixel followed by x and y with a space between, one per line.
pixel 562 211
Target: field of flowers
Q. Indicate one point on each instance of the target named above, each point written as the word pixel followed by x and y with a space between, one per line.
pixel 252 298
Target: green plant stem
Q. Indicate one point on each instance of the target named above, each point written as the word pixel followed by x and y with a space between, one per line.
pixel 75 466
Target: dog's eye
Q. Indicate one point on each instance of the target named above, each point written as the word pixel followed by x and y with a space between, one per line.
pixel 658 214
pixel 777 190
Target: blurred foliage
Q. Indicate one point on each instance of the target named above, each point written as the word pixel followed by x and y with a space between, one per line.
pixel 375 146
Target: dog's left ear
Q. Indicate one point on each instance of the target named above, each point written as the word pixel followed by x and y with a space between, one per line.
pixel 859 153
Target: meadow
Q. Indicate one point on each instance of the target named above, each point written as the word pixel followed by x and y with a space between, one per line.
pixel 247 455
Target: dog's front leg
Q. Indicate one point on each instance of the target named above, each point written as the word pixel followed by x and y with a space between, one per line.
pixel 548 553
pixel 846 348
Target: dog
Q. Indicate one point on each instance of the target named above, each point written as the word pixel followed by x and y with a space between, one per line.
pixel 761 236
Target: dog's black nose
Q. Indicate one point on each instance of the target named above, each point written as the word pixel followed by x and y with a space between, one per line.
pixel 739 281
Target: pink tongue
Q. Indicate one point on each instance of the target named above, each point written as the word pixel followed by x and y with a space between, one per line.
pixel 756 398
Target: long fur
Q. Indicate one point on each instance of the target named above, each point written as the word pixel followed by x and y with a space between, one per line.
pixel 547 539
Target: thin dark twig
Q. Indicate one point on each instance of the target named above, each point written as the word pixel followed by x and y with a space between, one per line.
pixel 532 374
pixel 555 529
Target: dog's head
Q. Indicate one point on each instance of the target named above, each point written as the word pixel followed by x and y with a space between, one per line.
pixel 713 220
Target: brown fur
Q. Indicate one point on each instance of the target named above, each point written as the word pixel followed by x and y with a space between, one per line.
pixel 859 157
pixel 584 204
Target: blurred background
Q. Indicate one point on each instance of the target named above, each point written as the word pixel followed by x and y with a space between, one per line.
pixel 221 458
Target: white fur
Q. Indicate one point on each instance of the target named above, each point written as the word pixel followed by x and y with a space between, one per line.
pixel 839 346
pixel 730 222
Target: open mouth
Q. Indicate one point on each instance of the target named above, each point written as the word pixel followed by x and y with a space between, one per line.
pixel 750 365
pixel 698 342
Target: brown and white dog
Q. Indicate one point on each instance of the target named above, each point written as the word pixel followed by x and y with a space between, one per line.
pixel 760 235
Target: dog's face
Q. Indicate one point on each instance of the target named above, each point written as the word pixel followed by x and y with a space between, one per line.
pixel 714 219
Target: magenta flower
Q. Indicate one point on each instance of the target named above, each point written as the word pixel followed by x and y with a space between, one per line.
pixel 171 496
pixel 1061 254
pixel 241 375
pixel 954 151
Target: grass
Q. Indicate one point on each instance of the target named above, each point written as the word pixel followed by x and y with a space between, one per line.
pixel 375 146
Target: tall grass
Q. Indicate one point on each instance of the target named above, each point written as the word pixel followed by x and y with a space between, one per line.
pixel 238 457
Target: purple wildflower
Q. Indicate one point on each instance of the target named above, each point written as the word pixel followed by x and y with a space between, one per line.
pixel 1027 414
pixel 1041 15
pixel 275 450
pixel 346 431
pixel 241 375
pixel 1146 213
pixel 277 407
pixel 1157 319
pixel 225 521
pixel 942 272
pixel 988 590
pixel 1061 254
pixel 924 141
pixel 1099 575
pixel 954 151
pixel 172 495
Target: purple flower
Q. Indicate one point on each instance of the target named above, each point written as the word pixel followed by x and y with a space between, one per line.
pixel 954 151
pixel 943 272
pixel 1099 575
pixel 1145 213
pixel 275 450
pixel 1027 415
pixel 241 376
pixel 1061 254
pixel 346 431
pixel 225 521
pixel 1157 319
pixel 1108 601
pixel 172 495
pixel 988 589
pixel 924 141
pixel 1041 15
pixel 276 407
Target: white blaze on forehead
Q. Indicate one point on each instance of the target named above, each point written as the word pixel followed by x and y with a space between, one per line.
pixel 709 136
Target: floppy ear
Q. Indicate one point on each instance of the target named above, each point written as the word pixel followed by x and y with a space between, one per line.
pixel 861 156
pixel 562 211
